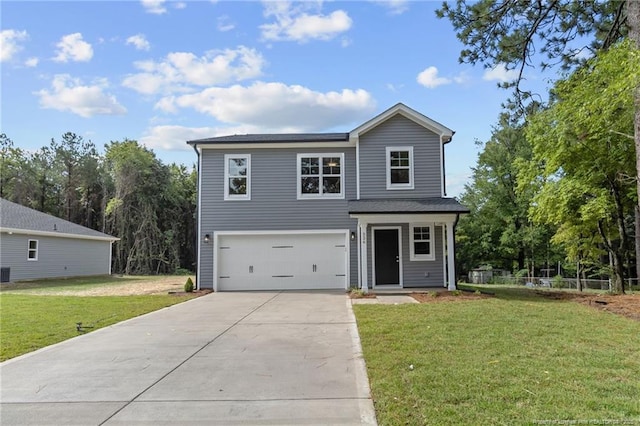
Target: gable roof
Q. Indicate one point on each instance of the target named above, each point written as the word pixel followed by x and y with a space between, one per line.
pixel 401 109
pixel 264 138
pixel 19 219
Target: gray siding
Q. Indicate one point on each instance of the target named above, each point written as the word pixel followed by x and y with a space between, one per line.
pixel 274 204
pixel 400 131
pixel 413 272
pixel 57 257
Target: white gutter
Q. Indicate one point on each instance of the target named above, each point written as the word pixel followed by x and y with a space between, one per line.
pixel 56 234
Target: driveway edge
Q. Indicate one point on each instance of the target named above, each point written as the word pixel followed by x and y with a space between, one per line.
pixel 367 412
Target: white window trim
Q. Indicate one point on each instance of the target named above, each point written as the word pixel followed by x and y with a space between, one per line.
pixel 319 196
pixel 29 250
pixel 394 186
pixel 422 257
pixel 232 197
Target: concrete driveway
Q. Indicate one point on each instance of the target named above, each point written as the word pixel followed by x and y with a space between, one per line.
pixel 225 358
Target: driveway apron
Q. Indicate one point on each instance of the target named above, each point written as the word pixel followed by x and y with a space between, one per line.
pixel 225 358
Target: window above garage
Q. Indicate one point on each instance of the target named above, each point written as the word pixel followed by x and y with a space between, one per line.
pixel 237 177
pixel 400 167
pixel 320 176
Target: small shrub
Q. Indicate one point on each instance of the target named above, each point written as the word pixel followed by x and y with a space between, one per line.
pixel 188 286
pixel 478 292
pixel 558 282
pixel 456 292
pixel 433 293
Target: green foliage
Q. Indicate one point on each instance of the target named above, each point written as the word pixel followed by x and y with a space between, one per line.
pixel 558 282
pixel 499 231
pixel 126 192
pixel 583 159
pixel 188 286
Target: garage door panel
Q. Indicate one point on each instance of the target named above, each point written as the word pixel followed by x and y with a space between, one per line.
pixel 282 262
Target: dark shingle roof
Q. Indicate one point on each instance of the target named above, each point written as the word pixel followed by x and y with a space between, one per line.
pixel 276 137
pixel 422 205
pixel 17 217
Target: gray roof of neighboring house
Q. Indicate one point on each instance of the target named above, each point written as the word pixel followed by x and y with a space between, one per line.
pixel 17 217
pixel 276 137
pixel 422 205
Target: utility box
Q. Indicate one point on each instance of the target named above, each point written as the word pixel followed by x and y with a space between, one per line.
pixel 5 275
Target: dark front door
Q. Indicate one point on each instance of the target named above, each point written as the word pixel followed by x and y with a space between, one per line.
pixel 387 256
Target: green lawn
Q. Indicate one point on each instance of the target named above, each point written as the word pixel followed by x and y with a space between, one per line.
pixel 513 359
pixel 29 322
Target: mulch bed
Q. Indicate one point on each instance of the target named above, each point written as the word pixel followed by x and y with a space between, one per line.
pixel 446 296
pixel 627 305
pixel 196 293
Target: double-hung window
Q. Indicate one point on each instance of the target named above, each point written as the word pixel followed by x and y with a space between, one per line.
pixel 421 242
pixel 32 250
pixel 399 167
pixel 320 176
pixel 237 177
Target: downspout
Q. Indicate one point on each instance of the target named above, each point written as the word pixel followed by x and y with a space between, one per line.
pixel 197 218
pixel 444 140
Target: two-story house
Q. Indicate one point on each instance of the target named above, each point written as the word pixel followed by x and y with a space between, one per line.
pixel 362 209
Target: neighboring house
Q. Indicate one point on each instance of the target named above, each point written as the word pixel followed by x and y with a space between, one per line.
pixel 361 209
pixel 36 245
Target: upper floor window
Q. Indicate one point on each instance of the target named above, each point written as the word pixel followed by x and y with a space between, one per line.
pixel 237 177
pixel 421 242
pixel 320 175
pixel 400 167
pixel 32 250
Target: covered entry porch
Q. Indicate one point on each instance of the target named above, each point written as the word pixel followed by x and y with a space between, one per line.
pixel 406 243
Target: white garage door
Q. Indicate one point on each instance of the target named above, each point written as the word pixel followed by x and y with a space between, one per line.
pixel 282 261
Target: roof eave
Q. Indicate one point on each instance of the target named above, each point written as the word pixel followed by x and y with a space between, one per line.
pixel 57 234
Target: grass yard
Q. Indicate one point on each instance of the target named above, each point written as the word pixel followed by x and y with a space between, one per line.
pixel 517 358
pixel 29 321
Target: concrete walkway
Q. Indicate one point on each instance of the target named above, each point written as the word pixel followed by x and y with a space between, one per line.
pixel 221 359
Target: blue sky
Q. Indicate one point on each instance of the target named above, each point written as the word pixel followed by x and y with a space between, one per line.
pixel 163 72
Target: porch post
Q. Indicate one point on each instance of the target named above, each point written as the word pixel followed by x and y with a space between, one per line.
pixel 362 231
pixel 451 258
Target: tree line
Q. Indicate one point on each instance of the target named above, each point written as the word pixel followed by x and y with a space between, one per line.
pixel 126 192
pixel 558 181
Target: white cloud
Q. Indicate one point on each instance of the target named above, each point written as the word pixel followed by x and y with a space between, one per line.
pixel 31 62
pixel 500 73
pixel 179 5
pixel 429 78
pixel 174 137
pixel 154 6
pixel 293 23
pixel 396 7
pixel 181 69
pixel 225 24
pixel 139 41
pixel 462 78
pixel 73 48
pixel 70 94
pixel 277 107
pixel 10 43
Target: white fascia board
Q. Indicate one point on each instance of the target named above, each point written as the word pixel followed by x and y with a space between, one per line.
pixel 281 145
pixel 56 234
